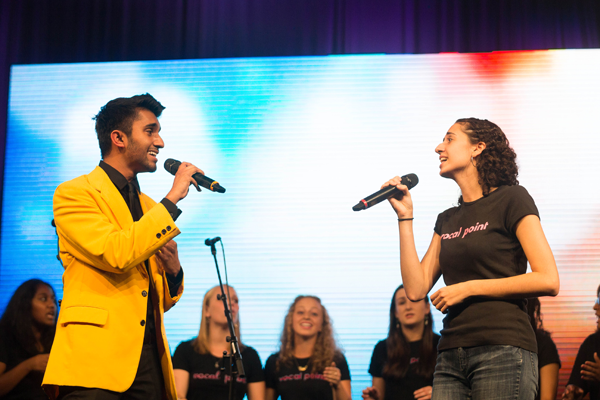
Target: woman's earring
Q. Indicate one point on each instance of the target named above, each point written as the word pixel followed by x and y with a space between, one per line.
pixel 472 163
pixel 397 324
pixel 426 322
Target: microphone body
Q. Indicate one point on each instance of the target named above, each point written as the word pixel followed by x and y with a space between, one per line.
pixel 409 180
pixel 172 166
pixel 211 242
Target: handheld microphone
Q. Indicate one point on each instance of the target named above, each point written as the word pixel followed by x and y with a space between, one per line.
pixel 409 180
pixel 211 242
pixel 173 165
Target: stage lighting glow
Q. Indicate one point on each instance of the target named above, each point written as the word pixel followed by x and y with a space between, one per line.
pixel 297 142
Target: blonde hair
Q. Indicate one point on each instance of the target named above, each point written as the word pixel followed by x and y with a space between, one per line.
pixel 200 343
pixel 325 347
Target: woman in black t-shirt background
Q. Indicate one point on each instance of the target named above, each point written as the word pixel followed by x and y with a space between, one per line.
pixel 487 348
pixel 402 365
pixel 197 363
pixel 309 365
pixel 548 358
pixel 27 330
pixel 585 375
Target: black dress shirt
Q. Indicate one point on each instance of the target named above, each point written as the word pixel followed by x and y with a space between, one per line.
pixel 135 207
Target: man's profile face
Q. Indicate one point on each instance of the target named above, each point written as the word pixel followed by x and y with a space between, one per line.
pixel 144 143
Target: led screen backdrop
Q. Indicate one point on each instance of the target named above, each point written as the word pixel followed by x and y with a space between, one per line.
pixel 297 142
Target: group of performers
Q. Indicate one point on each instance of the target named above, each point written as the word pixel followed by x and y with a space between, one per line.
pixel 402 365
pixel 122 272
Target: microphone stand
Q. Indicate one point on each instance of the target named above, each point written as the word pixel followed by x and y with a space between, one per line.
pixel 236 367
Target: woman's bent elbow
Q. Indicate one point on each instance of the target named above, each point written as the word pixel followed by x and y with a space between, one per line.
pixel 553 287
pixel 415 295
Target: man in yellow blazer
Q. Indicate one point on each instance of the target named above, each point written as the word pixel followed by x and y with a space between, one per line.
pixel 122 270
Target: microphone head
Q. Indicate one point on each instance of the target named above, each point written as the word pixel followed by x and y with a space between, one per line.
pixel 172 165
pixel 360 206
pixel 210 242
pixel 410 180
pixel 217 188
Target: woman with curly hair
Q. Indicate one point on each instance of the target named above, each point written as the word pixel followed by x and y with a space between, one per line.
pixel 481 247
pixel 309 365
pixel 197 363
pixel 27 330
pixel 402 365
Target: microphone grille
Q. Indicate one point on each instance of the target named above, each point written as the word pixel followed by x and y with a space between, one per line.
pixel 172 165
pixel 410 180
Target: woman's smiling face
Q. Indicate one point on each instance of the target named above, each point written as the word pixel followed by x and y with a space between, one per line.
pixel 307 320
pixel 455 152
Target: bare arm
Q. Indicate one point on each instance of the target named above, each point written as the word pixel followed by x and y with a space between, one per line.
pixel 341 388
pixel 376 391
pixel 549 381
pixel 182 382
pixel 418 276
pixel 271 394
pixel 256 390
pixel 541 281
pixel 10 379
pixel 343 391
pixel 379 383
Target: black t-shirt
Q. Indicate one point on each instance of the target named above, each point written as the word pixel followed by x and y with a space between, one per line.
pixel 12 354
pixel 547 352
pixel 401 389
pixel 207 381
pixel 479 242
pixel 586 352
pixel 292 384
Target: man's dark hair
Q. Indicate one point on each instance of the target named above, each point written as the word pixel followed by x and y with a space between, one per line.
pixel 119 114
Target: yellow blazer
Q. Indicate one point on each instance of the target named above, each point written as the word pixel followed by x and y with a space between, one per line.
pixel 100 332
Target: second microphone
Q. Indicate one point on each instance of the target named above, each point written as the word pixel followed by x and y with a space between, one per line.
pixel 172 166
pixel 409 180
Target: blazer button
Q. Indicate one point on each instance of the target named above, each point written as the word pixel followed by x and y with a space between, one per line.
pixel 158 235
pixel 142 322
pixel 144 293
pixel 164 232
pixel 168 227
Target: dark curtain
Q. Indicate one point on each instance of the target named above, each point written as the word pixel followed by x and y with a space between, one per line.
pixel 59 31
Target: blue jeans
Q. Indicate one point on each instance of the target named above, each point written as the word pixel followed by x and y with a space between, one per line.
pixel 486 373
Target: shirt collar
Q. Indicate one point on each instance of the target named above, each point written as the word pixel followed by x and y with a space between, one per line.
pixel 117 178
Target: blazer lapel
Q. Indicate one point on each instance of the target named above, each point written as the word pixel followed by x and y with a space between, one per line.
pixel 102 183
pixel 113 199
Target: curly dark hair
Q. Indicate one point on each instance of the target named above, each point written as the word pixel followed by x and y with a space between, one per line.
pixel 119 114
pixel 496 165
pixel 398 348
pixel 18 321
pixel 534 310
